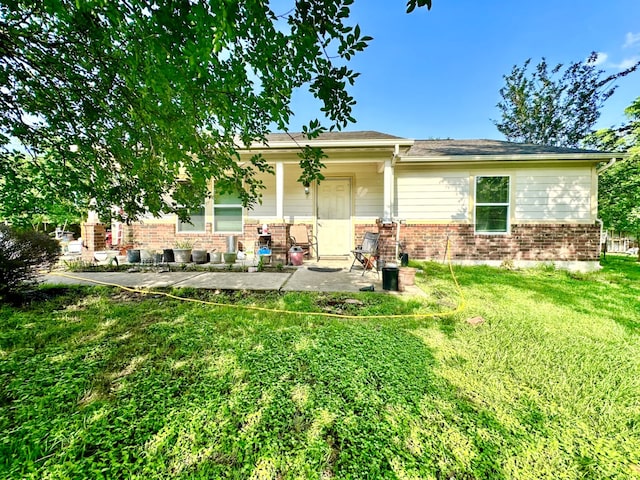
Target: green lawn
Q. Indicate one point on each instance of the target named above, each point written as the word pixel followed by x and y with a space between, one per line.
pixel 100 383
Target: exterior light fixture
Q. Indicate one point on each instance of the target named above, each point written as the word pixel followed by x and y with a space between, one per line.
pixel 306 189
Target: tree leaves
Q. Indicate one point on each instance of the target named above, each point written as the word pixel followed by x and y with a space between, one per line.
pixel 619 185
pixel 554 106
pixel 148 89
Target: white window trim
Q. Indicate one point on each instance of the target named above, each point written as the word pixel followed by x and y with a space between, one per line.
pixel 182 232
pixel 497 204
pixel 224 206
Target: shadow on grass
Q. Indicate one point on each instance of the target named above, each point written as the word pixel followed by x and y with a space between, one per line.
pixel 162 388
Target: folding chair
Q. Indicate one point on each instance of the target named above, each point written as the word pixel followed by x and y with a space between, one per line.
pixel 367 253
pixel 300 236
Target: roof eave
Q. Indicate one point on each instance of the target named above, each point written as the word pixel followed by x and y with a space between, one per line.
pixel 546 157
pixel 373 143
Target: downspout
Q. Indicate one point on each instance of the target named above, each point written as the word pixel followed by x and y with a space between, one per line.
pixel 601 169
pixel 396 152
pixel 607 165
pixel 599 220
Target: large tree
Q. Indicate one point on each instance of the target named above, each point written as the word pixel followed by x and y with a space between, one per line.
pixel 554 106
pixel 114 100
pixel 619 185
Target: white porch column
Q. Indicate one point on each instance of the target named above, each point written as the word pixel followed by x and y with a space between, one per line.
pixel 388 189
pixel 280 191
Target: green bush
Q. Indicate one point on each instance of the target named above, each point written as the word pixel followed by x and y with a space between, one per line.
pixel 22 254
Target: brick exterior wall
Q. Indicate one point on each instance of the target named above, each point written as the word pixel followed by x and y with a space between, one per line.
pixel 536 242
pixel 94 239
pixel 157 236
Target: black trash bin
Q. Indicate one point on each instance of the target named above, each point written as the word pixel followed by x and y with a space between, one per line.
pixel 390 278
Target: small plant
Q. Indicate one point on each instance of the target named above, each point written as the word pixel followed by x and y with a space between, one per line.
pixel 279 267
pixel 22 254
pixel 184 244
pixel 78 265
pixel 260 265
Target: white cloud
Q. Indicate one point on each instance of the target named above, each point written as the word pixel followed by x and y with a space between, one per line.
pixel 631 39
pixel 627 63
pixel 601 57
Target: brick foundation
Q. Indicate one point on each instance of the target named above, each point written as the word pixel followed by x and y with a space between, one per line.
pixel 537 242
pixel 157 236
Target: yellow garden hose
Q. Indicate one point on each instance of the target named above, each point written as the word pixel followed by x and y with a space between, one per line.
pixel 461 305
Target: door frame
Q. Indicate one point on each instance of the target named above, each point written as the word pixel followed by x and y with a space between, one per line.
pixel 351 179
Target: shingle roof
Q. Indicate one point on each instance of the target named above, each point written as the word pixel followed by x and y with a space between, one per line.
pixel 451 148
pixel 358 135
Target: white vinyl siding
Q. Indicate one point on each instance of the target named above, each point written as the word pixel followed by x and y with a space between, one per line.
pixel 297 205
pixel 367 190
pixel 553 195
pixel 267 208
pixel 425 195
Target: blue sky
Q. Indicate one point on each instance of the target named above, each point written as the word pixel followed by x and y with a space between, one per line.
pixel 436 74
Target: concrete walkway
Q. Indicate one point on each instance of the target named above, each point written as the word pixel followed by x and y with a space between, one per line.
pixel 301 280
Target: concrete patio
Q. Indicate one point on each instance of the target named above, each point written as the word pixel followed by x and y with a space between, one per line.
pixel 323 276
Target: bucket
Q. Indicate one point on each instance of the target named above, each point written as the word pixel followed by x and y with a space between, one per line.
pixel 232 240
pixel 199 256
pixel 133 255
pixel 390 278
pixel 167 255
pixel 296 256
pixel 407 277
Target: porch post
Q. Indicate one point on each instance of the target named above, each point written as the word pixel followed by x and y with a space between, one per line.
pixel 388 189
pixel 280 191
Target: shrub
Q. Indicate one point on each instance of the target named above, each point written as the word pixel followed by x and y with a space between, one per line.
pixel 22 254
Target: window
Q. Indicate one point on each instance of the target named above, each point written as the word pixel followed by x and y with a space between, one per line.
pixel 227 213
pixel 196 222
pixel 492 204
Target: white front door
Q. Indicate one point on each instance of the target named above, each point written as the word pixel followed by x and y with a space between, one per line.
pixel 334 217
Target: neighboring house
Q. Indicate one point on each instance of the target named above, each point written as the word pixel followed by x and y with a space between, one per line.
pixel 489 201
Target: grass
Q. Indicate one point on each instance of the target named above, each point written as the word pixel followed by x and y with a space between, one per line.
pixel 99 383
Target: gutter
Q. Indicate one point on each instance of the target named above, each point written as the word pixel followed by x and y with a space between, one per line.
pixel 503 158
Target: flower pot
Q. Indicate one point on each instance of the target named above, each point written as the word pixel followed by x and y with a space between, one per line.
pixel 230 258
pixel 146 256
pixel 182 255
pixel 216 257
pixel 406 277
pixel 133 255
pixel 199 256
pixel 167 255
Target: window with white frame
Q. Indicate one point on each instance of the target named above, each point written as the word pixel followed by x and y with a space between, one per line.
pixel 492 204
pixel 196 221
pixel 227 212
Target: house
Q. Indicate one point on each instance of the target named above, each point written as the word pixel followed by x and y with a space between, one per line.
pixel 479 201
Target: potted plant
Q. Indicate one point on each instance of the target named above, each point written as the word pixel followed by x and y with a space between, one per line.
pixel 182 251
